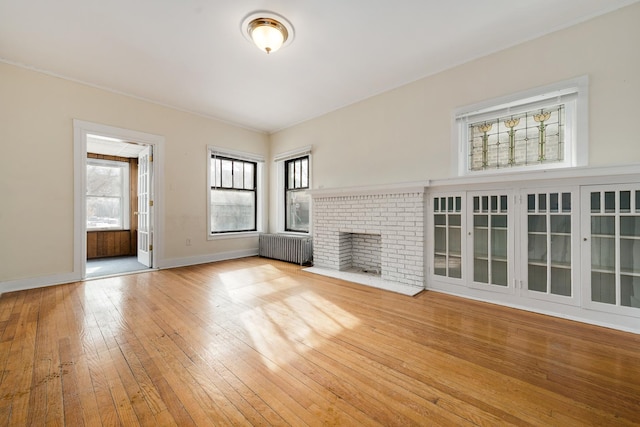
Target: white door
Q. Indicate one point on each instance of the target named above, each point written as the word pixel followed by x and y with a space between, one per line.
pixel 145 207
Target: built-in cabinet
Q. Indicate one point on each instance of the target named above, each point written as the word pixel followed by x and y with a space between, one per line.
pixel 612 216
pixel 541 244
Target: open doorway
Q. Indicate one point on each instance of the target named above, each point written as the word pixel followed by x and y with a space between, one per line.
pixel 115 225
pixel 117 198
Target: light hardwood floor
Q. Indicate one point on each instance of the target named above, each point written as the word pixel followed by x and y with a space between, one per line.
pixel 260 342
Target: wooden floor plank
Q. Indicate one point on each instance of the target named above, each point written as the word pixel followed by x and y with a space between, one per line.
pixel 261 342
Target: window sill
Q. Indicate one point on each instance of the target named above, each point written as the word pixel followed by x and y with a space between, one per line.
pixel 232 235
pixel 295 233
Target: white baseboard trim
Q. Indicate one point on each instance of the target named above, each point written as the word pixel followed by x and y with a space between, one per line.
pixel 38 282
pixel 203 259
pixel 59 279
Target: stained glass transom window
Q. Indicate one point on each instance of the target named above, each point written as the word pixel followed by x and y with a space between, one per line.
pixel 532 137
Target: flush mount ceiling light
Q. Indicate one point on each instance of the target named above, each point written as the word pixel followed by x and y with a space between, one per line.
pixel 267 30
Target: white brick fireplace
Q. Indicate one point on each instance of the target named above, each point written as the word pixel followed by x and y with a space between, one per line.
pixel 372 235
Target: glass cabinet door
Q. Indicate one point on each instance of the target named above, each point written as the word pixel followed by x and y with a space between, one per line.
pixel 447 217
pixel 614 225
pixel 549 243
pixel 489 222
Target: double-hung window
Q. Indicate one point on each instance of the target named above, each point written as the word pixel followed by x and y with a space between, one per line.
pixel 293 198
pixel 107 195
pixel 233 192
pixel 297 198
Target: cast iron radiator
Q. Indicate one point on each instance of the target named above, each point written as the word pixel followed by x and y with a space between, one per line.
pixel 296 249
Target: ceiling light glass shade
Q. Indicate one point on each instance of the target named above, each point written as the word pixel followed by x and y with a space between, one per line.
pixel 268 34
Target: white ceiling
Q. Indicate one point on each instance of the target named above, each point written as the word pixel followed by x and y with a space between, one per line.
pixel 191 54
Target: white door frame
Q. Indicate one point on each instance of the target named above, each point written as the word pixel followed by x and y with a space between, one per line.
pixel 80 131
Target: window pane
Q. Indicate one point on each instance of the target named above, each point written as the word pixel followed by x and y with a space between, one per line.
pixel 232 210
pixel 305 172
pixel 215 173
pixel 249 176
pixel 104 180
pixel 297 174
pixel 528 138
pixel 105 194
pixel 104 212
pixel 238 174
pixel 227 173
pixel 298 203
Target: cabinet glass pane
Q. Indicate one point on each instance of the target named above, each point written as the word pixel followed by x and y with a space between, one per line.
pixel 531 202
pixel 537 223
pixel 480 221
pixel 481 243
pixel 538 248
pixel 553 202
pixel 561 281
pixel 542 202
pixel 603 253
pixel 440 219
pixel 603 287
pixel 595 202
pixel 499 221
pixel 454 220
pixel 625 201
pixel 440 240
pixel 630 291
pixel 561 224
pixel 637 200
pixel 603 225
pixel 609 201
pixel 537 280
pixel 481 270
pixel 440 265
pixel 454 241
pixel 499 272
pixel 630 256
pixel 499 243
pixel 455 267
pixel 561 250
pixel 566 202
pixel 630 226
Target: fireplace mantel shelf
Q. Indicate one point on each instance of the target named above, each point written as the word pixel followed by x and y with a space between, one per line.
pixel 407 187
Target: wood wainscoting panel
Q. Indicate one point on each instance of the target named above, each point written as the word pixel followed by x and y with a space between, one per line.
pixel 102 244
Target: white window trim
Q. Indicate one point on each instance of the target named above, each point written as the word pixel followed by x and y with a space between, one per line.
pixel 573 91
pixel 280 160
pixel 260 191
pixel 125 206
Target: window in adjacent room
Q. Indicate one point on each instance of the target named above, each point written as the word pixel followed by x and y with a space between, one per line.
pixel 107 195
pixel 297 198
pixel 233 198
pixel 540 129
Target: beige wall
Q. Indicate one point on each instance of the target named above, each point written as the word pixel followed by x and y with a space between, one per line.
pixel 405 134
pixel 37 170
pixel 400 136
